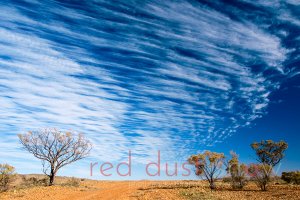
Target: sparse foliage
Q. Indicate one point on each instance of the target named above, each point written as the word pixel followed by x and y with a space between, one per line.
pixel 208 164
pixel 55 148
pixel 291 177
pixel 237 172
pixel 261 174
pixel 269 154
pixel 7 175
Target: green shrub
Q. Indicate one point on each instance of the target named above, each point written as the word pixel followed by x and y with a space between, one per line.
pixel 7 175
pixel 291 177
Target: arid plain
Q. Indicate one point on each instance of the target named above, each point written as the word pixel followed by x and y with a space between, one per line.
pixel 82 189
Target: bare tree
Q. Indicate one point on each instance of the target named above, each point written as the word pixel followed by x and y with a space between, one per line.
pixel 55 148
pixel 208 164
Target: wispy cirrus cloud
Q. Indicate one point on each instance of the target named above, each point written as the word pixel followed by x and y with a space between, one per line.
pixel 144 76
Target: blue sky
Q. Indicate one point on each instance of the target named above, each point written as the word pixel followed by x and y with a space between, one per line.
pixel 176 76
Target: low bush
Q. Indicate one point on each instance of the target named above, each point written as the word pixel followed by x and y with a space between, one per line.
pixel 33 181
pixel 261 174
pixel 7 175
pixel 291 177
pixel 237 172
pixel 226 179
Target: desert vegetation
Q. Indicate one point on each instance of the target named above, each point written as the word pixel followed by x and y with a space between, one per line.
pixel 237 172
pixel 291 177
pixel 269 153
pixel 7 175
pixel 208 164
pixel 55 149
pixel 243 181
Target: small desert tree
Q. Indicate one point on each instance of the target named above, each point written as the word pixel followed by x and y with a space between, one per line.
pixel 55 148
pixel 269 154
pixel 208 164
pixel 261 174
pixel 237 171
pixel 7 175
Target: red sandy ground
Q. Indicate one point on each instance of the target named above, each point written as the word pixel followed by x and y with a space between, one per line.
pixel 143 190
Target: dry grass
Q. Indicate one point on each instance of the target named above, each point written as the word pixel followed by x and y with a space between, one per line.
pixel 76 189
pixel 192 190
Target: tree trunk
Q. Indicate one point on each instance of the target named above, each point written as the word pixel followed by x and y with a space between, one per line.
pixel 264 187
pixel 212 185
pixel 52 177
